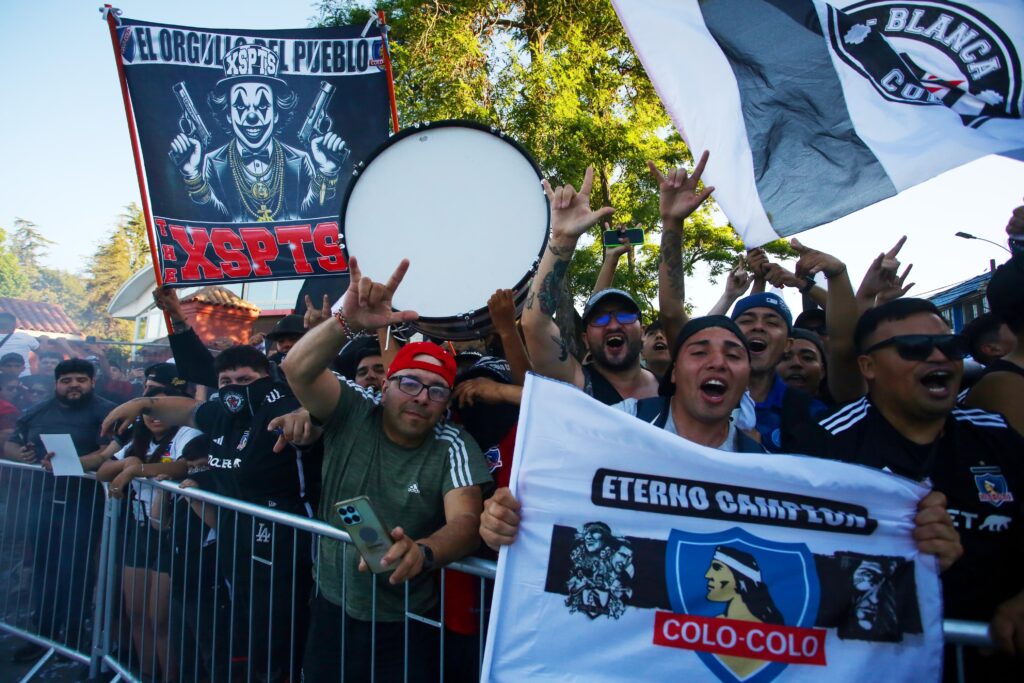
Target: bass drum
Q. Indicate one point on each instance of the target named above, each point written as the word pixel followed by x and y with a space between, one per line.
pixel 464 203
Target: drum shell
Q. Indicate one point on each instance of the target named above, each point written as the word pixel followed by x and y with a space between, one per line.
pixel 469 324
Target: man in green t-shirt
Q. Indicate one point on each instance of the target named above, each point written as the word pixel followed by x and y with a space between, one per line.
pixel 420 472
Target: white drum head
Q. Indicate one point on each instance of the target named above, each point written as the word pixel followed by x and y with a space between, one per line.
pixel 463 204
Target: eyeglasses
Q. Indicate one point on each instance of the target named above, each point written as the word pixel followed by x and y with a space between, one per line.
pixel 408 384
pixel 918 347
pixel 620 317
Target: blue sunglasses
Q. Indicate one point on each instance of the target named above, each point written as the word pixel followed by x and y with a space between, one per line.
pixel 622 318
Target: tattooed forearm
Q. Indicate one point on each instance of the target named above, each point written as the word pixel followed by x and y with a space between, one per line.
pixel 563 348
pixel 672 261
pixel 549 287
pixel 563 252
pixel 530 299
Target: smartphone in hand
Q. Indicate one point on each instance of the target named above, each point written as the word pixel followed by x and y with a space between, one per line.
pixel 369 534
pixel 634 235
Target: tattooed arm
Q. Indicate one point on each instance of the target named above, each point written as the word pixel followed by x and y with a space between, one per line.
pixel 679 198
pixel 570 218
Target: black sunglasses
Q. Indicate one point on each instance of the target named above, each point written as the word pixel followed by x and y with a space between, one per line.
pixel 919 347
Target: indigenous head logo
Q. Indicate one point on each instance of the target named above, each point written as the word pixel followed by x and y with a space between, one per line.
pixel 233 401
pixel 745 604
pixel 992 486
pixel 601 577
pixel 933 53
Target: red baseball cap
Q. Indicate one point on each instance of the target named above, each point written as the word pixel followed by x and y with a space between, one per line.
pixel 405 359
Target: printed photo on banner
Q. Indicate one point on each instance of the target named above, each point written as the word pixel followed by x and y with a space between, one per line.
pixel 643 556
pixel 248 141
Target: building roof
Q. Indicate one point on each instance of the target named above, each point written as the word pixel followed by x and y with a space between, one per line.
pixel 219 296
pixel 963 290
pixel 37 316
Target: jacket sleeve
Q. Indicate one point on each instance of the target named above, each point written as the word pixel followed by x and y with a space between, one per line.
pixel 193 360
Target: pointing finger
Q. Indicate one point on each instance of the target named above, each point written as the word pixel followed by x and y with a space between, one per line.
pixel 354 274
pixel 398 275
pixel 896 249
pixel 547 190
pixel 588 182
pixel 655 173
pixel 700 166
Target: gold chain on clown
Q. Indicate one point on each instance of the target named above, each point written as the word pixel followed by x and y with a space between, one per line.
pixel 268 185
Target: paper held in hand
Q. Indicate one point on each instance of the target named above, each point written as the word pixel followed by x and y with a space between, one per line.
pixel 65 460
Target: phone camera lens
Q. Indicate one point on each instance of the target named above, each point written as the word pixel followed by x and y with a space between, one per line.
pixel 350 509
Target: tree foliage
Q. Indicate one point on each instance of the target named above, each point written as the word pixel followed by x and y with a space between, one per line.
pixel 84 297
pixel 560 77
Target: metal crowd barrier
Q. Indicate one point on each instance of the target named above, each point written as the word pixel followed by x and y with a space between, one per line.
pixel 155 594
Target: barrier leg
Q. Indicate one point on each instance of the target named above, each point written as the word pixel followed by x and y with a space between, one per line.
pixel 100 607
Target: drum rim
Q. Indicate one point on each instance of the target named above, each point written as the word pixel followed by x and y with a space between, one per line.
pixel 446 123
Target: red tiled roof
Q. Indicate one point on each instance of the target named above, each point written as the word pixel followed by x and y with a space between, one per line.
pixel 36 316
pixel 214 294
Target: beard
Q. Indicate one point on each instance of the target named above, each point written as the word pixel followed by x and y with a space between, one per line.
pixel 627 360
pixel 82 399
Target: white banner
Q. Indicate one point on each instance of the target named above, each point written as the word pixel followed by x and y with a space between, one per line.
pixel 642 556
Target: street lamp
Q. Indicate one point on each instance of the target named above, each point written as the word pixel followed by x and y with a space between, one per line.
pixel 969 236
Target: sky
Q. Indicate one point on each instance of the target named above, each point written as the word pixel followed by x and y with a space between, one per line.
pixel 77 171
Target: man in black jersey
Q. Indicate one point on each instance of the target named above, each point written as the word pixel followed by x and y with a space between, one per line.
pixel 908 425
pixel 259 558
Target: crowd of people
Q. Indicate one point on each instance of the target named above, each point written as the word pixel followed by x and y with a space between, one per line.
pixel 337 407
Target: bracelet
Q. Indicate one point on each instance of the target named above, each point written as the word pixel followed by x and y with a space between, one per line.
pixel 809 284
pixel 340 316
pixel 829 277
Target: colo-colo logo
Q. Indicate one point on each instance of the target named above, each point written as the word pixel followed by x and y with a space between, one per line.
pixel 931 53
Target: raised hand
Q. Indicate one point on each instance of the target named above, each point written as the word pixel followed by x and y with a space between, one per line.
pixel 366 304
pixel 166 299
pixel 502 307
pixel 738 281
pixel 570 210
pixel 813 261
pixel 777 276
pixel 314 316
pixel 881 282
pixel 679 194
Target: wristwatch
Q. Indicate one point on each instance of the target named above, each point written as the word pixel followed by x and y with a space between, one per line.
pixel 428 557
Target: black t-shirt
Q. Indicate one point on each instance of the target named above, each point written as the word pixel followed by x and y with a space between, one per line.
pixel 978 462
pixel 81 421
pixel 242 462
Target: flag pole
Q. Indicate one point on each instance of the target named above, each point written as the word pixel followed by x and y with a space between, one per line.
pixel 386 51
pixel 110 16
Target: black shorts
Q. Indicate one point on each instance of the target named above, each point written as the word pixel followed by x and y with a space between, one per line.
pixel 147 548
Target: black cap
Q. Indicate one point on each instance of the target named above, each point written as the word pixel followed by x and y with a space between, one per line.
pixel 811 336
pixel 288 326
pixel 167 375
pixel 598 297
pixel 353 353
pixel 667 386
pixel 491 367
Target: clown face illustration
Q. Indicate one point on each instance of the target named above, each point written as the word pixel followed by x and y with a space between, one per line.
pixel 252 114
